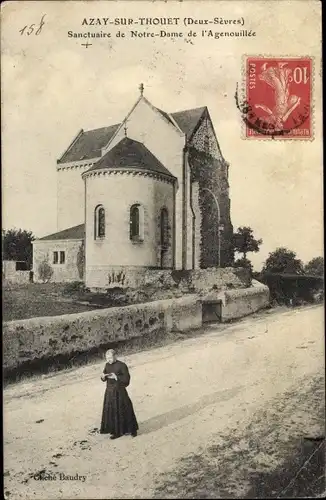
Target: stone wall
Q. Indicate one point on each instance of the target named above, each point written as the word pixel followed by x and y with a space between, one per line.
pixel 198 279
pixel 12 277
pixel 44 338
pixel 212 174
pixel 67 272
pixel 239 303
pixel 217 278
pixel 204 138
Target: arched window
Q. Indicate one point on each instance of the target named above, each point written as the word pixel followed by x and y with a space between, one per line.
pixel 164 224
pixel 99 222
pixel 136 222
pixel 206 143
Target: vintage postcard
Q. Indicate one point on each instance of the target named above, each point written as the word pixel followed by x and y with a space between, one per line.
pixel 163 268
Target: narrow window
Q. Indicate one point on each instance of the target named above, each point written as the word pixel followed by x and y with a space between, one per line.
pixel 206 143
pixel 164 223
pixel 134 222
pixel 55 257
pixel 62 257
pixel 21 266
pixel 99 222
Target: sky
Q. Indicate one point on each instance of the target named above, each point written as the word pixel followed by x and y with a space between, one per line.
pixel 52 87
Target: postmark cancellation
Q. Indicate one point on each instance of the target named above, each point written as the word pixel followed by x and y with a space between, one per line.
pixel 276 98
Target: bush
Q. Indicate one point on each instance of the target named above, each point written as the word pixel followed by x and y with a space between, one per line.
pixel 245 263
pixel 292 289
pixel 45 271
pixel 74 287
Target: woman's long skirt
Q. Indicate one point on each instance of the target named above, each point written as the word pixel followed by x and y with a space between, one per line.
pixel 118 416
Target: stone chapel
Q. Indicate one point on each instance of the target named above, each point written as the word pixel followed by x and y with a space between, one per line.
pixel 151 192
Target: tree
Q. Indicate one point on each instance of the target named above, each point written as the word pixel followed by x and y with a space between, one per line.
pixel 244 263
pixel 315 267
pixel 283 260
pixel 45 271
pixel 244 241
pixel 81 260
pixel 17 245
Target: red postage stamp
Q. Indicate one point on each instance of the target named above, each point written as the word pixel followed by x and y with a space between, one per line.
pixel 278 98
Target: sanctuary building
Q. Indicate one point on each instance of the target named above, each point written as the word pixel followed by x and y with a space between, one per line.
pixel 151 192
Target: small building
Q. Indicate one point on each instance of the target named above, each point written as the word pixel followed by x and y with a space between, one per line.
pixel 63 251
pixel 15 272
pixel 151 192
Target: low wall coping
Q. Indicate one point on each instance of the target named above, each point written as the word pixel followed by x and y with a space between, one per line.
pixel 238 292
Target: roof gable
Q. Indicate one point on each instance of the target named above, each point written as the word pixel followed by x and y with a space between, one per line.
pixel 129 153
pixel 72 233
pixel 189 119
pixel 89 144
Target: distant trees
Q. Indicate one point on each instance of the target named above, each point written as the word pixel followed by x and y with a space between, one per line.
pixel 315 267
pixel 244 242
pixel 17 245
pixel 283 260
pixel 289 281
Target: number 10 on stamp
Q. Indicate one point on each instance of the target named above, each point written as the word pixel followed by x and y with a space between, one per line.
pixel 278 97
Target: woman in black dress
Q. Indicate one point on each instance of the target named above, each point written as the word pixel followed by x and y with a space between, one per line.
pixel 118 417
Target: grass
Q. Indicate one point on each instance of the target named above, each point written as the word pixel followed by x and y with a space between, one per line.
pixel 33 300
pixel 54 299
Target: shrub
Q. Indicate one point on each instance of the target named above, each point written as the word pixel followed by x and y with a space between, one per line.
pixel 74 287
pixel 292 289
pixel 45 271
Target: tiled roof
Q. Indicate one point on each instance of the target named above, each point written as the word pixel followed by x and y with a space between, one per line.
pixel 166 115
pixel 72 233
pixel 130 154
pixel 188 119
pixel 88 145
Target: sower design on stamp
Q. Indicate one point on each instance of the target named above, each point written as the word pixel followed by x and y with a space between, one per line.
pixel 278 98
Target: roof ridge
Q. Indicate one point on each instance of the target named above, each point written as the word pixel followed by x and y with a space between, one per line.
pixel 188 109
pixel 129 153
pixel 90 143
pixel 64 231
pixel 101 128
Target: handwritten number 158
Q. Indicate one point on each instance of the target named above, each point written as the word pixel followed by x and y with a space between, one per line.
pixel 29 30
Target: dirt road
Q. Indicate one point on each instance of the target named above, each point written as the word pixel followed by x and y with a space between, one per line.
pixel 218 415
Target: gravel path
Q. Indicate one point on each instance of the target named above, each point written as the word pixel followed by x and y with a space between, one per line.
pixel 219 414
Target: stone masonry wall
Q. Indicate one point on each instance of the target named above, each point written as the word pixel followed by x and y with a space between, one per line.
pixel 198 279
pixel 239 303
pixel 12 277
pixel 204 139
pixel 211 174
pixel 44 338
pixel 67 272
